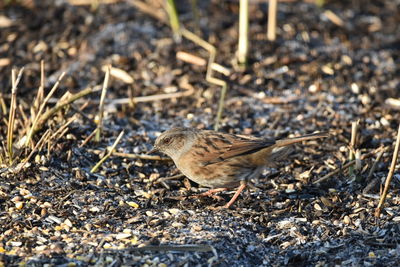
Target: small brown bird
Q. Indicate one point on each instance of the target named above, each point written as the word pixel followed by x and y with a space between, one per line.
pixel 220 160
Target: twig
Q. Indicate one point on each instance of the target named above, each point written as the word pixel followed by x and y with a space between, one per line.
pixel 87 139
pixel 354 127
pixel 94 169
pixel 329 175
pixel 272 10
pixel 390 175
pixel 101 106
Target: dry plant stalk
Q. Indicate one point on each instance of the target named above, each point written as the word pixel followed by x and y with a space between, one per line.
pixel 272 11
pixel 390 175
pixel 173 19
pixel 39 113
pixel 101 106
pixel 61 105
pixel 94 169
pixel 11 119
pixel 209 75
pixel 354 130
pixel 243 33
pixel 40 93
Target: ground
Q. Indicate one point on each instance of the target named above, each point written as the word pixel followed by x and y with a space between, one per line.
pixel 321 74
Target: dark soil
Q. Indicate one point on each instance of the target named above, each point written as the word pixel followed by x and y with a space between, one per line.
pixel 317 76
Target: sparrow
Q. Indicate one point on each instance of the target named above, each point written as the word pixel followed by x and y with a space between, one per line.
pixel 223 161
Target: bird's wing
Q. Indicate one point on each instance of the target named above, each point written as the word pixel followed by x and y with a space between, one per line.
pixel 213 147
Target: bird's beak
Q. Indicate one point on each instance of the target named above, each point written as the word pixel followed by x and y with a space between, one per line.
pixel 155 149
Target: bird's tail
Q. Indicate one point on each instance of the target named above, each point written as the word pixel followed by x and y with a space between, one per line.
pixel 289 141
pixel 282 147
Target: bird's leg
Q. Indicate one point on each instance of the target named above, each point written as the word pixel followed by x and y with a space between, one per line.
pixel 242 186
pixel 211 192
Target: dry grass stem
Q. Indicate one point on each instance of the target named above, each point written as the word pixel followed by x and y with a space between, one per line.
pixel 101 105
pixel 243 44
pixel 87 139
pixel 40 93
pixel 61 105
pixel 329 175
pixel 57 134
pixel 390 175
pixel 352 148
pixel 272 11
pixel 38 115
pixel 173 19
pixel 11 118
pixel 111 150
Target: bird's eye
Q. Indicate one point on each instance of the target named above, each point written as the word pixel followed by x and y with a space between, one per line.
pixel 167 140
